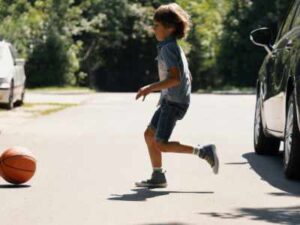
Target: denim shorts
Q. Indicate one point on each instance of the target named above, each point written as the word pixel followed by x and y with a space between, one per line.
pixel 165 118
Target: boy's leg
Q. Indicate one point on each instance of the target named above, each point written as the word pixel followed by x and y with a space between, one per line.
pixel 155 149
pixel 155 154
pixel 169 115
pixel 175 147
pixel 207 153
pixel 158 179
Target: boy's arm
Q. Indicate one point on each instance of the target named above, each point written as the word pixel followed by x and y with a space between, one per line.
pixel 173 80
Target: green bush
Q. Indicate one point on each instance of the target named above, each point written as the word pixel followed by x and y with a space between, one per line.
pixel 51 63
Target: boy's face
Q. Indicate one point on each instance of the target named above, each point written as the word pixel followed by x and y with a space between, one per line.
pixel 161 32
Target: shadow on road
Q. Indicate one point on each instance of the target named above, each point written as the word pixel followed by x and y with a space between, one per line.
pixel 270 169
pixel 144 193
pixel 237 163
pixel 284 215
pixel 13 186
pixel 174 223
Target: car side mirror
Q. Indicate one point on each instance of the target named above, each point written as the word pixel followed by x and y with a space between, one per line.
pixel 262 37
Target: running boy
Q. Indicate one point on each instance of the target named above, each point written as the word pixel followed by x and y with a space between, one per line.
pixel 171 22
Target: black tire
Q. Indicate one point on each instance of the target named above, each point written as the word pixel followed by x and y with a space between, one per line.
pixel 21 101
pixel 291 142
pixel 263 145
pixel 10 104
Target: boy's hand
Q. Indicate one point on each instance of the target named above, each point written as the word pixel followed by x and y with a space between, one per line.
pixel 144 91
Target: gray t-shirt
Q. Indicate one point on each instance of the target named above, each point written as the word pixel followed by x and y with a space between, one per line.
pixel 170 54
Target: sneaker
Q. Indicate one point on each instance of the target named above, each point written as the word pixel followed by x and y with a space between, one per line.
pixel 158 180
pixel 209 153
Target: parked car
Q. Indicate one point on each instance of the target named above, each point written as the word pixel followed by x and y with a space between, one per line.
pixel 277 114
pixel 12 76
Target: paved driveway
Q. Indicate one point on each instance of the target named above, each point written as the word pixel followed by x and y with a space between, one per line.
pixel 90 155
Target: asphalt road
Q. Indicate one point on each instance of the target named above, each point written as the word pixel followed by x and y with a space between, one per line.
pixel 90 155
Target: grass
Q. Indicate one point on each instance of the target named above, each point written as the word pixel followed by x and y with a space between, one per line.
pixel 46 108
pixel 65 88
pixel 228 89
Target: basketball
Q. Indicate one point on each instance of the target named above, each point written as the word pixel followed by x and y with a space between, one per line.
pixel 17 165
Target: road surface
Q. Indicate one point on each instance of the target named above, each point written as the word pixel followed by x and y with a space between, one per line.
pixel 90 155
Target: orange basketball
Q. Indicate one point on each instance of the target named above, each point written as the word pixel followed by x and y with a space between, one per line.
pixel 17 165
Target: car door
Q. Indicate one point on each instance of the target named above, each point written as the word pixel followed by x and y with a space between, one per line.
pixel 276 73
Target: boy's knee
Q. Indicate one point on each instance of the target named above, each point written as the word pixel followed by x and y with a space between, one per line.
pixel 149 134
pixel 161 145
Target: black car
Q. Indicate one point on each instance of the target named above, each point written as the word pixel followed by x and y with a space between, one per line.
pixel 277 114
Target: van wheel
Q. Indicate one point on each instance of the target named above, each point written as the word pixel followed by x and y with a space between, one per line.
pixel 10 104
pixel 291 143
pixel 21 101
pixel 263 145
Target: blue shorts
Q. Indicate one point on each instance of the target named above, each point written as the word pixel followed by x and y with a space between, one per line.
pixel 165 118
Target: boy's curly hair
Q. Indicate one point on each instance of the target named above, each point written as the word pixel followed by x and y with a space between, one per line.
pixel 172 15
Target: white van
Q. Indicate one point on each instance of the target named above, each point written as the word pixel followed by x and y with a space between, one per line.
pixel 12 76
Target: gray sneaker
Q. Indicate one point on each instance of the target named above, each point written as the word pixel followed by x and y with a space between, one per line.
pixel 209 153
pixel 158 180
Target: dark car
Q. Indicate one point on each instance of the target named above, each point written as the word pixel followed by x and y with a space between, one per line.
pixel 277 114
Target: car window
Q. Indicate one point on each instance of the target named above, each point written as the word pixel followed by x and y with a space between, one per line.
pixel 288 22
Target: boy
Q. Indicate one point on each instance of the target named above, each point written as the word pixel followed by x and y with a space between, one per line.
pixel 171 22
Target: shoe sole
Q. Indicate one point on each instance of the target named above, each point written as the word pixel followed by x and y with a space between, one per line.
pixel 216 159
pixel 164 185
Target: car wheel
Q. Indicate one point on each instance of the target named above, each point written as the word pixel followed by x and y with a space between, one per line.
pixel 291 143
pixel 10 104
pixel 21 101
pixel 263 145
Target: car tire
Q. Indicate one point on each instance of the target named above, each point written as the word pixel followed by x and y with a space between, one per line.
pixel 21 101
pixel 10 104
pixel 291 143
pixel 263 145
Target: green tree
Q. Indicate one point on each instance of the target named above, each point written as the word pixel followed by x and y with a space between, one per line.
pixel 54 57
pixel 203 43
pixel 239 61
pixel 109 44
pixel 118 47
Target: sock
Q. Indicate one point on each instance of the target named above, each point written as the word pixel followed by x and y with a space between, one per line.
pixel 196 151
pixel 199 152
pixel 157 169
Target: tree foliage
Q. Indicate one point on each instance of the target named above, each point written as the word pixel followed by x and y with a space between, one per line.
pixel 239 61
pixel 108 44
